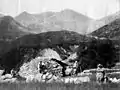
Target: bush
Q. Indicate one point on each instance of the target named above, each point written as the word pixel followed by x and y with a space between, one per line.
pixel 96 52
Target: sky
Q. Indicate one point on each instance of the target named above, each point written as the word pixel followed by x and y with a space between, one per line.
pixel 95 9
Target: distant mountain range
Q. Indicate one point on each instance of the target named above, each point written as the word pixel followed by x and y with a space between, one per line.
pixel 11 29
pixel 55 21
pixel 64 20
pixel 25 23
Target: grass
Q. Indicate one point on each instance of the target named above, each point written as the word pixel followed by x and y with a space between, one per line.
pixel 58 86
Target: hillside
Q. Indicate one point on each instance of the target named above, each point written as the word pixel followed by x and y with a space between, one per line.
pixel 111 30
pixel 56 21
pixel 104 21
pixel 30 45
pixel 10 29
pixel 89 51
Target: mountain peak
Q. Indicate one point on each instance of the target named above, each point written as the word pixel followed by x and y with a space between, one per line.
pixel 68 10
pixel 25 13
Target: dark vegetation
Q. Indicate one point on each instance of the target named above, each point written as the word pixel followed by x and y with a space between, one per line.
pixel 98 51
pixel 90 51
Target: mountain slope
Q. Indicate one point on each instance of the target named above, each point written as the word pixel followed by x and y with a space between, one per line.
pixel 111 30
pixel 104 21
pixel 10 29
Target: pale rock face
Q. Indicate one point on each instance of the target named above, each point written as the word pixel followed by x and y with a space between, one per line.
pixel 31 68
pixel 50 54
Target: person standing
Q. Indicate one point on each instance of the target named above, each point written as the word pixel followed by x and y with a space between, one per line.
pixel 75 65
pixel 100 75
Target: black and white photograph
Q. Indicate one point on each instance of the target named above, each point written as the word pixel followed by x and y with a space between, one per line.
pixel 59 44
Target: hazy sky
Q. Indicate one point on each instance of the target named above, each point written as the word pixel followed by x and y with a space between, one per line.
pixel 93 8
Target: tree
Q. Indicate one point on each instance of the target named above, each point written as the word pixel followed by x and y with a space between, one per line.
pixel 94 52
